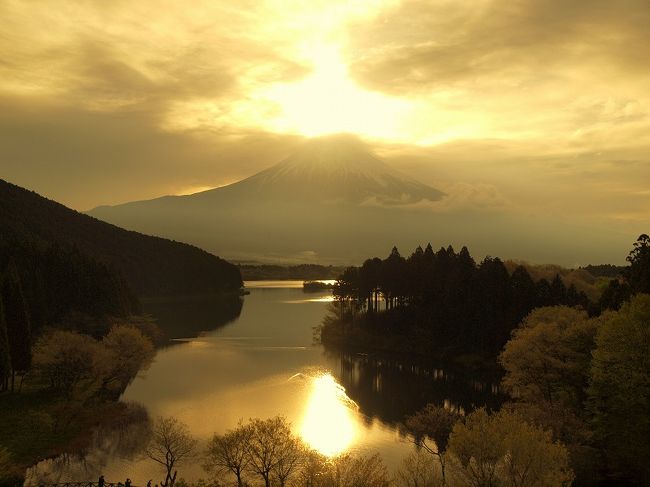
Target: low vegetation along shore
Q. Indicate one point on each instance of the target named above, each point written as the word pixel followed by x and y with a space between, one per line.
pixel 266 452
pixel 72 387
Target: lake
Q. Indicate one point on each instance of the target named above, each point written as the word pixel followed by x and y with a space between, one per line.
pixel 259 360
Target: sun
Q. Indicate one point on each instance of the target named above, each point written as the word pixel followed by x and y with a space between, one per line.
pixel 328 424
pixel 327 101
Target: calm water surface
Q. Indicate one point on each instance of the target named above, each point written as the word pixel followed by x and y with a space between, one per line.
pixel 264 363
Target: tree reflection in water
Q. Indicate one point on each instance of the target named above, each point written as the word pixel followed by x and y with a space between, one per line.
pixel 392 388
pixel 124 438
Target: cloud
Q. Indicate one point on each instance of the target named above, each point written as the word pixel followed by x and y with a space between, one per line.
pixel 99 106
pixel 571 74
pixel 605 187
pixel 481 196
pixel 528 106
pixel 500 43
pixel 108 57
pixel 84 158
pixel 458 197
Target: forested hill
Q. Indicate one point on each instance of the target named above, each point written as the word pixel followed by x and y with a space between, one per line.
pixel 152 266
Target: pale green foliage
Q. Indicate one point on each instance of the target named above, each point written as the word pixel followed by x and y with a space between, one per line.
pixel 547 363
pixel 564 423
pixel 501 449
pixel 620 385
pixel 548 357
pixel 358 471
pixel 66 358
pixel 127 351
pixel 147 325
pixel 419 470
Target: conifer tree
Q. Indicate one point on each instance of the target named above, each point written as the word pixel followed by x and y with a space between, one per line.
pixel 638 274
pixel 5 359
pixel 18 324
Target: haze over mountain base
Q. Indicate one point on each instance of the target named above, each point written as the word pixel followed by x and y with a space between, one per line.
pixel 334 201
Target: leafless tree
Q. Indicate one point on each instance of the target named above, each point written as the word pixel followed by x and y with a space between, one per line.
pixel 290 457
pixel 170 443
pixel 229 453
pixel 265 447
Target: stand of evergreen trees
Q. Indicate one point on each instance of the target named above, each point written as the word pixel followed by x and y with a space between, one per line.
pixel 42 287
pixel 446 296
pixel 633 279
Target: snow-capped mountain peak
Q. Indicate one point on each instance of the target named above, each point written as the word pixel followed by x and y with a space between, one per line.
pixel 337 168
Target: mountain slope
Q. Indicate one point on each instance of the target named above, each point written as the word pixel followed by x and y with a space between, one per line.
pixel 334 202
pixel 329 190
pixel 150 265
pixel 334 169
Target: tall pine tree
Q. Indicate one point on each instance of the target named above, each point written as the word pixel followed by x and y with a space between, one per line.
pixel 5 358
pixel 18 324
pixel 638 274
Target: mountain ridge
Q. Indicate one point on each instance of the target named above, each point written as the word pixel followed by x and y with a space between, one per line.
pixel 151 265
pixel 332 169
pixel 294 213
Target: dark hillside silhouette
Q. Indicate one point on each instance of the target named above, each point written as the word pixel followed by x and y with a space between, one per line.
pixel 57 282
pixel 150 265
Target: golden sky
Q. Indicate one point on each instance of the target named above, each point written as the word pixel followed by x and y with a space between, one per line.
pixel 514 105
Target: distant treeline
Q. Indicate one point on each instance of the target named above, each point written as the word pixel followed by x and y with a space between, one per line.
pixel 316 286
pixel 152 266
pixel 605 270
pixel 442 299
pixel 302 272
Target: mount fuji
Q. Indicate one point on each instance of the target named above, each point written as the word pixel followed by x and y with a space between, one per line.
pixel 334 201
pixel 332 190
pixel 334 169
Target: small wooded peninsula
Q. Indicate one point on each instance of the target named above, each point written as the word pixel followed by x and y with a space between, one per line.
pixel 572 366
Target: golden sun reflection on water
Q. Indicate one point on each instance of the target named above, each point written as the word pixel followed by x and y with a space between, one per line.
pixel 328 424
